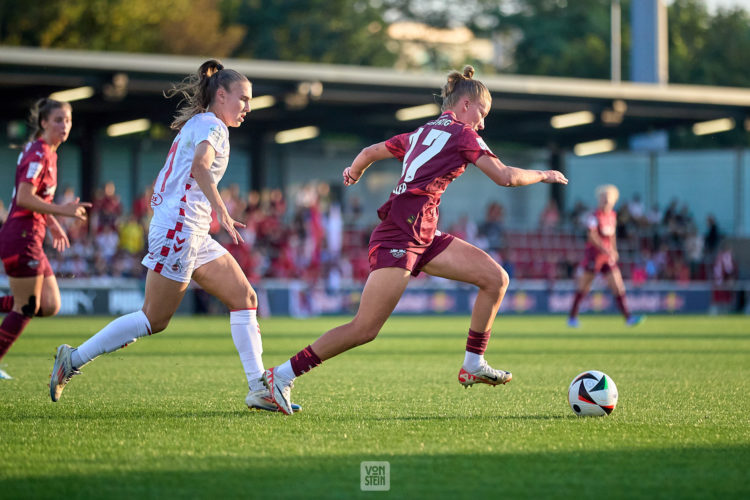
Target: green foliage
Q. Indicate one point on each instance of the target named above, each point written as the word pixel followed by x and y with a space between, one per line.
pixel 170 26
pixel 165 418
pixel 321 31
pixel 560 37
pixel 555 37
pixel 705 49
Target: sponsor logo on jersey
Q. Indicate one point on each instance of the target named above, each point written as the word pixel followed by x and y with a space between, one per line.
pixel 34 169
pixel 215 134
pixel 411 219
pixel 156 199
pixel 483 144
pixel 50 191
pixel 397 253
pixel 33 264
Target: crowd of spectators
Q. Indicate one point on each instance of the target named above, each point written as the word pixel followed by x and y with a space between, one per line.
pixel 653 244
pixel 317 241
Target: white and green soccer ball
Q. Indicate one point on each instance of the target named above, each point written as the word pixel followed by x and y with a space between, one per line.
pixel 592 393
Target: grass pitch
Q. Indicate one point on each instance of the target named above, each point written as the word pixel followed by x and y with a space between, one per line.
pixel 165 418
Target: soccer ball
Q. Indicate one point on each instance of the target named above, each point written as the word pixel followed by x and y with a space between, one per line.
pixel 592 393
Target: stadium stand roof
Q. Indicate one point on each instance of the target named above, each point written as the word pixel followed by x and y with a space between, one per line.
pixel 359 100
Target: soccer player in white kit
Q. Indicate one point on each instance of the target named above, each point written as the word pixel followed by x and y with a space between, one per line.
pixel 179 246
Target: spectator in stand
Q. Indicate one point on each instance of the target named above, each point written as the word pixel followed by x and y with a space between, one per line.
pixel 578 216
pixel 653 216
pixel 131 237
pixel 493 228
pixel 637 209
pixel 713 236
pixel 141 207
pixel 724 274
pixel 694 251
pixel 107 208
pixel 107 242
pixel 550 217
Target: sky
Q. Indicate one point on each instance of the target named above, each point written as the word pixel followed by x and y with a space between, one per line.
pixel 713 4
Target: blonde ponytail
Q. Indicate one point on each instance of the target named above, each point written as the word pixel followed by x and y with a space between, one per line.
pixel 459 85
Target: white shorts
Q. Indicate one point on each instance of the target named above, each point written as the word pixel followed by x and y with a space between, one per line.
pixel 177 255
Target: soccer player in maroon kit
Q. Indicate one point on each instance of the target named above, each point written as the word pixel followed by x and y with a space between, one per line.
pixel 33 286
pixel 407 242
pixel 601 256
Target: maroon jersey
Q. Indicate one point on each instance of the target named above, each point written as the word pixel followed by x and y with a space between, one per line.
pixel 605 224
pixel 37 165
pixel 433 156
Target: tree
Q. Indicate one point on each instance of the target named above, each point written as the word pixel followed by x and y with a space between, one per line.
pixel 705 49
pixel 176 27
pixel 323 31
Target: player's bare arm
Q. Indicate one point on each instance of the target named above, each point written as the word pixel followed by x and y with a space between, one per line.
pixel 504 175
pixel 28 199
pixel 60 240
pixel 364 159
pixel 201 171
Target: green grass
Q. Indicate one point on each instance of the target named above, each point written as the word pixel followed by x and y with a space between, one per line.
pixel 165 417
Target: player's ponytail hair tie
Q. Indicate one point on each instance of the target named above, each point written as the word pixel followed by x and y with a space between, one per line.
pixel 462 84
pixel 198 90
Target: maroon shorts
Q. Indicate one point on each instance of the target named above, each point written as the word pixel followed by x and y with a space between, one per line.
pixel 24 258
pixel 597 262
pixel 412 259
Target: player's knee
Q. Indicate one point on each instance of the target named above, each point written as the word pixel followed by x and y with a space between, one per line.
pixel 48 310
pixel 366 336
pixel 245 298
pixel 364 332
pixel 494 280
pixel 158 324
pixel 29 309
pixel 503 279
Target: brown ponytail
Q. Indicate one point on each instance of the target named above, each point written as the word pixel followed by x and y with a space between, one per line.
pixel 40 111
pixel 459 85
pixel 198 90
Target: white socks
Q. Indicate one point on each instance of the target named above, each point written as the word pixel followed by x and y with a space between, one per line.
pixel 472 361
pixel 129 328
pixel 119 333
pixel 246 336
pixel 285 371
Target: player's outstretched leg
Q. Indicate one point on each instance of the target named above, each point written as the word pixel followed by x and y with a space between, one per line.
pixel 62 371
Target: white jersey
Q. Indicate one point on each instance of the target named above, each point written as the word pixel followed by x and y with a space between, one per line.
pixel 178 201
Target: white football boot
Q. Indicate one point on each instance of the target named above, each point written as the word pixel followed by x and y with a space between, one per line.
pixel 261 400
pixel 4 375
pixel 280 390
pixel 484 375
pixel 62 371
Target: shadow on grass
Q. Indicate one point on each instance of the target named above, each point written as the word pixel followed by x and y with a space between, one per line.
pixel 679 472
